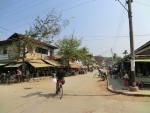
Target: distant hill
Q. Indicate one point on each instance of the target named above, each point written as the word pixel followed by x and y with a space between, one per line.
pixel 100 59
pixel 107 61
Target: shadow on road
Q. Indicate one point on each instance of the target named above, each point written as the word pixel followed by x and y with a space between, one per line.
pixel 100 80
pixel 40 94
pixel 93 95
pixel 52 95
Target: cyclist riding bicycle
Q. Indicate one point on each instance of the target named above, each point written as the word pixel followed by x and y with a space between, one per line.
pixel 60 78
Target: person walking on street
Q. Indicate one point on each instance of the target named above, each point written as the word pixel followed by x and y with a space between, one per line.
pixel 126 78
pixel 18 75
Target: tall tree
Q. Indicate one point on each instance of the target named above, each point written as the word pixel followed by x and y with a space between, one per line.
pixel 125 53
pixel 114 55
pixel 21 47
pixel 83 54
pixel 99 59
pixel 116 58
pixel 46 28
pixel 70 49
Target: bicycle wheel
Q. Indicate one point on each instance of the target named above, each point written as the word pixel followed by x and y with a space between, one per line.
pixel 60 92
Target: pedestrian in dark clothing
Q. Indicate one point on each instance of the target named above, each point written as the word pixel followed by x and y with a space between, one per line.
pixel 60 77
pixel 60 74
pixel 19 75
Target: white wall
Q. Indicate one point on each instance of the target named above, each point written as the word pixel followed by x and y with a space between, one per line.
pixel 3 57
pixel 31 55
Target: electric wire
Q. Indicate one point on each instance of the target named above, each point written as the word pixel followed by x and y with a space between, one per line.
pixel 39 3
pixel 142 3
pixel 77 5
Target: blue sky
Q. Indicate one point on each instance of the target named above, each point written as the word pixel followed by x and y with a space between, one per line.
pixel 98 23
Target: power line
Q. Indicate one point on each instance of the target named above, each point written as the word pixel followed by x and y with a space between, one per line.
pixel 39 3
pixel 112 36
pixel 83 3
pixel 120 25
pixel 23 8
pixel 62 3
pixel 5 29
pixel 99 37
pixel 78 5
pixel 122 5
pixel 119 28
pixel 142 3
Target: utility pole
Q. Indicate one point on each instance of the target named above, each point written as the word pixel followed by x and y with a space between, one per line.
pixel 132 57
pixel 112 57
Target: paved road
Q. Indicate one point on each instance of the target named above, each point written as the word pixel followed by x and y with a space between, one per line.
pixel 82 94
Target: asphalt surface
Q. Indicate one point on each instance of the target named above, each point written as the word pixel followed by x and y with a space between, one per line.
pixel 82 94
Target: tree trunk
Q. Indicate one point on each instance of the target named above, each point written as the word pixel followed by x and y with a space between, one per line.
pixel 68 65
pixel 24 65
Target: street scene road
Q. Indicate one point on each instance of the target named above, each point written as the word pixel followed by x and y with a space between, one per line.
pixel 98 46
pixel 82 94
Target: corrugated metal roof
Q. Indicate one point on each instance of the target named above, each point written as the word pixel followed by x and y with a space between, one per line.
pixel 142 60
pixel 2 64
pixel 39 63
pixel 53 62
pixel 75 66
pixel 13 65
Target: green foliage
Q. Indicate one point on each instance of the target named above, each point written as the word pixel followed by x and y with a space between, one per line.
pixel 83 53
pixel 70 49
pixel 99 59
pixel 125 52
pixel 89 60
pixel 116 58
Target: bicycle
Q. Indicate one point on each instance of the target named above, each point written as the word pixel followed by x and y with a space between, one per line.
pixel 59 88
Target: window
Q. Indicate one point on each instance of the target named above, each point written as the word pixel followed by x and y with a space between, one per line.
pixel 51 52
pixel 4 51
pixel 0 51
pixel 41 50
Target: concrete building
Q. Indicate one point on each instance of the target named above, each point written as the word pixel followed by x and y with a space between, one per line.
pixel 12 48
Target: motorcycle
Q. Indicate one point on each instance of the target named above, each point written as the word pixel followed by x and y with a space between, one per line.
pixel 103 77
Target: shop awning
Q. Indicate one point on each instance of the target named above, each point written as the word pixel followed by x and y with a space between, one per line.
pixel 90 66
pixel 39 63
pixel 5 62
pixel 13 65
pixel 95 65
pixel 53 62
pixel 2 64
pixel 84 66
pixel 77 66
pixel 143 60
